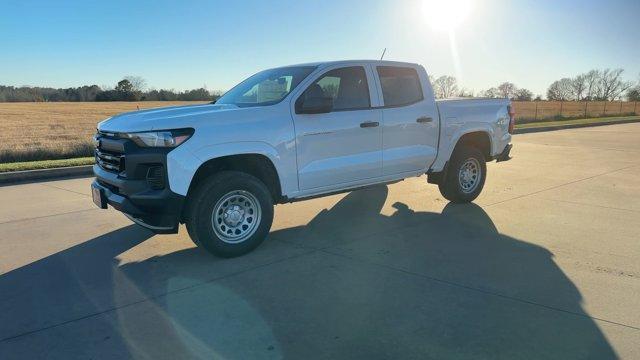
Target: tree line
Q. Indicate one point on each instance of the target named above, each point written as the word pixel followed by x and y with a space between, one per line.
pixel 131 88
pixel 602 85
pixel 595 85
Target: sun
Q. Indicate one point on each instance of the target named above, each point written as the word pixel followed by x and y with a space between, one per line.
pixel 446 15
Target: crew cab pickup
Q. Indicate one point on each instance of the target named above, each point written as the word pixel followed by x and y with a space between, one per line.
pixel 288 134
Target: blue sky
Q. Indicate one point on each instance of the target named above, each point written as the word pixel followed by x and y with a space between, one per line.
pixel 188 44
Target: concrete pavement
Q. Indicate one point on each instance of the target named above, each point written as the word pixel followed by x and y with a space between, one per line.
pixel 546 264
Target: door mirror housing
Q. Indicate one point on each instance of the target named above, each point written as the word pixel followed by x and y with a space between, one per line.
pixel 314 105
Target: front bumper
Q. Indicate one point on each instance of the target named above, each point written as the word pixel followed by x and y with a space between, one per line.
pixel 158 212
pixel 148 203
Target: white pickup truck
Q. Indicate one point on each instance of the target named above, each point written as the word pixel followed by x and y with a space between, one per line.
pixel 288 134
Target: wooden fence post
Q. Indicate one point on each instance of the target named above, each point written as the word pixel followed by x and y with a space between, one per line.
pixel 634 108
pixel 561 108
pixel 585 109
pixel 535 117
pixel 620 111
pixel 605 108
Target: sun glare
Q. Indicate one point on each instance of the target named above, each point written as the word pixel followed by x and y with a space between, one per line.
pixel 446 15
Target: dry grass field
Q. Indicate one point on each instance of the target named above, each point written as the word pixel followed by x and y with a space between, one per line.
pixel 44 131
pixel 47 131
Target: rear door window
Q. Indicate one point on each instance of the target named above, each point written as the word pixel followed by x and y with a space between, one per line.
pixel 400 85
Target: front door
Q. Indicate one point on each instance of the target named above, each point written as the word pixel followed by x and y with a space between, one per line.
pixel 342 145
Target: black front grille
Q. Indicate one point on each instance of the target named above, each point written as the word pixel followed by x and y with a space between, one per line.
pixel 107 156
pixel 109 161
pixel 155 177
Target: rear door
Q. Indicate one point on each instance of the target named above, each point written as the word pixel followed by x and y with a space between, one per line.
pixel 344 145
pixel 410 119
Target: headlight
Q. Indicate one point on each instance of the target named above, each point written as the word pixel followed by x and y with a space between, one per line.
pixel 163 138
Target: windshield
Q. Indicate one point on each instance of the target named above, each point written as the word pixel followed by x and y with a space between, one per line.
pixel 266 87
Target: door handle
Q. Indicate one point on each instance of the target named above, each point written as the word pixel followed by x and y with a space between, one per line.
pixel 424 119
pixel 369 124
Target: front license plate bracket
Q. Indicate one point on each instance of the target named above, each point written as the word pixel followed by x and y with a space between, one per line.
pixel 99 197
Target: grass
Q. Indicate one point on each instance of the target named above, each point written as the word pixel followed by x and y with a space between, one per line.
pixel 46 135
pixel 45 164
pixel 57 130
pixel 603 120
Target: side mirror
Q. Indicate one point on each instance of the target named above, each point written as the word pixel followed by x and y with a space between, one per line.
pixel 314 105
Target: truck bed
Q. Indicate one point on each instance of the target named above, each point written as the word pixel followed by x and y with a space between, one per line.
pixel 460 116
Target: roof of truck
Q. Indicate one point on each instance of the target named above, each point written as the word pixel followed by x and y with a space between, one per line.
pixel 337 62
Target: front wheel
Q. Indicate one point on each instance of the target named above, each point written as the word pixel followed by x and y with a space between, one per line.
pixel 465 175
pixel 229 214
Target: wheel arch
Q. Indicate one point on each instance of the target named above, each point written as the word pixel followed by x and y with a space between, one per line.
pixel 255 164
pixel 479 139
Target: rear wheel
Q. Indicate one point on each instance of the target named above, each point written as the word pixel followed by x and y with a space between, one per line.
pixel 465 176
pixel 229 214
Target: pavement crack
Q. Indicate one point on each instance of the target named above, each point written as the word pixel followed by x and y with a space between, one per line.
pixel 578 147
pixel 59 188
pixel 48 216
pixel 562 185
pixel 592 205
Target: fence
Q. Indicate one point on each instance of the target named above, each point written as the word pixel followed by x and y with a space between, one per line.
pixel 529 111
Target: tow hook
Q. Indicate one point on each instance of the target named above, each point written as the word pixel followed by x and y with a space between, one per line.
pixel 504 156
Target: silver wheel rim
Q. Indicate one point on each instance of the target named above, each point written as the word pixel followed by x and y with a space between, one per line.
pixel 469 175
pixel 236 216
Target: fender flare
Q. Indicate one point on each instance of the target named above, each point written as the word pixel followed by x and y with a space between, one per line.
pixel 446 152
pixel 477 129
pixel 210 152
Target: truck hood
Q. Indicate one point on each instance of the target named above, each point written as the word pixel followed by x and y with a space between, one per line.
pixel 173 117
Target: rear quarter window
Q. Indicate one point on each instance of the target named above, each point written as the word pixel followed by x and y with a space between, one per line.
pixel 400 85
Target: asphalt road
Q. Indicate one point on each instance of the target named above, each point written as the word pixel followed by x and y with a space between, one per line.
pixel 546 264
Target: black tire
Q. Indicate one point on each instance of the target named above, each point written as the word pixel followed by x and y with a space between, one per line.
pixel 200 219
pixel 451 186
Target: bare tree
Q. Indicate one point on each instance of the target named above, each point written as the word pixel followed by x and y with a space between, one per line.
pixel 523 95
pixel 465 93
pixel 432 79
pixel 579 86
pixel 561 90
pixel 491 93
pixel 633 94
pixel 612 85
pixel 445 86
pixel 507 90
pixel 138 83
pixel 592 84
